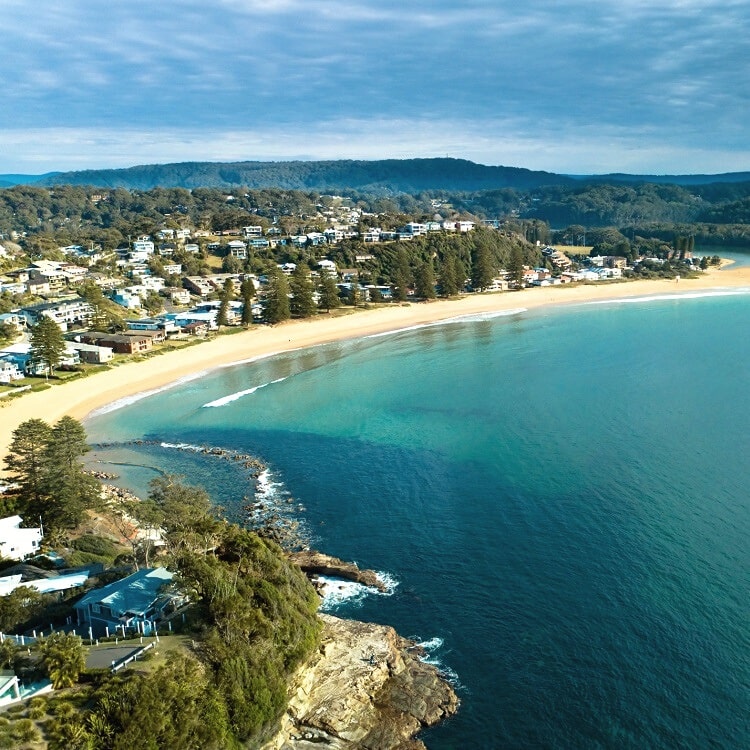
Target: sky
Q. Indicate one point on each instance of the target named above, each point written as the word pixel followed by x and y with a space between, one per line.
pixel 570 86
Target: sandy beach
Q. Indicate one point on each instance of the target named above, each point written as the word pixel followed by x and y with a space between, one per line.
pixel 80 397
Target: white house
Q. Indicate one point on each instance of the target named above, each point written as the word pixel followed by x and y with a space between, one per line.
pixel 143 246
pixel 329 265
pixel 9 371
pixel 237 249
pixel 15 542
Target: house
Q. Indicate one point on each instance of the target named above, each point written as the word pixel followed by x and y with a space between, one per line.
pixel 14 319
pixel 252 231
pixel 9 371
pixel 237 249
pixel 15 542
pixel 92 354
pixel 207 318
pixel 157 328
pixel 20 354
pixel 143 246
pixel 126 299
pixel 414 229
pixel 199 285
pixel 133 604
pixel 74 311
pixel 177 295
pixel 119 343
pixel 43 581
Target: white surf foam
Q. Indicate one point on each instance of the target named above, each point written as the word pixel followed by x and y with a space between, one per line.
pixel 128 400
pixel 739 291
pixel 184 447
pixel 468 318
pixel 224 400
pixel 336 591
pixel 430 646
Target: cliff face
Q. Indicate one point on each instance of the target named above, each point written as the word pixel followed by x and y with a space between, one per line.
pixel 364 689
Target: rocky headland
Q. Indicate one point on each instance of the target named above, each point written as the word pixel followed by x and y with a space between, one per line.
pixel 364 689
pixel 315 563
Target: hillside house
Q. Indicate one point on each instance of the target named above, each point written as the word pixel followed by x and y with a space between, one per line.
pixel 133 604
pixel 17 543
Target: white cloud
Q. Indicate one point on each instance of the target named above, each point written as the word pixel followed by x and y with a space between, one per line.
pixel 675 69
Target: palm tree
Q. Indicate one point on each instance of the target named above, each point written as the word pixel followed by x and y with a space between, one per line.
pixel 63 658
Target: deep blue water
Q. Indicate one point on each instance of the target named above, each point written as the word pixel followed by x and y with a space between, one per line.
pixel 561 496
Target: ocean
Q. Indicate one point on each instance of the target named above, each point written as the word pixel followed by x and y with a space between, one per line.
pixel 558 500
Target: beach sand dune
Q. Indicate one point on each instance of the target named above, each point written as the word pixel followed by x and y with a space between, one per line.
pixel 80 397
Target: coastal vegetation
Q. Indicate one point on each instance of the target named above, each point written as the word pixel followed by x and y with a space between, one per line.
pixel 50 482
pixel 252 614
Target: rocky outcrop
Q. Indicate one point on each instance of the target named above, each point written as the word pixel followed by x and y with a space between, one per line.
pixel 365 689
pixel 317 563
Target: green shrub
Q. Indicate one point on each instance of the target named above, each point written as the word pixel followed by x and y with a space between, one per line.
pixel 79 559
pixel 96 545
pixel 37 712
pixel 24 730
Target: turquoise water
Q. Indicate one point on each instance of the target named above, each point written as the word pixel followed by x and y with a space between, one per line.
pixel 562 498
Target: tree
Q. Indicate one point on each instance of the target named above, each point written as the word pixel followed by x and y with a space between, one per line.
pixel 516 265
pixel 69 489
pixel 482 267
pixel 227 293
pixel 401 276
pixel 8 332
pixel 47 344
pixel 302 304
pixel 45 462
pixel 186 516
pixel 16 608
pixel 26 461
pixel 247 292
pixel 448 279
pixel 353 295
pixel 277 297
pixel 424 281
pixel 63 658
pixel 153 304
pixel 329 293
pixel 105 315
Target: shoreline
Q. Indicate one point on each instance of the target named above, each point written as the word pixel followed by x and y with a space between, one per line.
pixel 82 397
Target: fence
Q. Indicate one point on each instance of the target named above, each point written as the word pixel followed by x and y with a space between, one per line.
pixel 133 657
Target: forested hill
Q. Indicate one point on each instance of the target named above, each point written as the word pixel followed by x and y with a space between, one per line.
pixel 375 177
pixel 667 179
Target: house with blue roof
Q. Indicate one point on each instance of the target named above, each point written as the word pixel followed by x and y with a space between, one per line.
pixel 133 604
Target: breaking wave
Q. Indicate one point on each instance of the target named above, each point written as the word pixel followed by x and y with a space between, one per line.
pixel 224 400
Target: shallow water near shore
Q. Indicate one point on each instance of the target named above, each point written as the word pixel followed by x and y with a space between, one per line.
pixel 560 495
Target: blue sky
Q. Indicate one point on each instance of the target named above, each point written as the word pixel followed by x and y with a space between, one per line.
pixel 645 86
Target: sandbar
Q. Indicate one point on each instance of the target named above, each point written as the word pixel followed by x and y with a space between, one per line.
pixel 79 398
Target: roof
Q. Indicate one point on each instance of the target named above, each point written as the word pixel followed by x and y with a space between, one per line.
pixel 134 594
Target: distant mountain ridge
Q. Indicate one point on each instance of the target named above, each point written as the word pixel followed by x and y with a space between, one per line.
pixel 667 179
pixel 386 176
